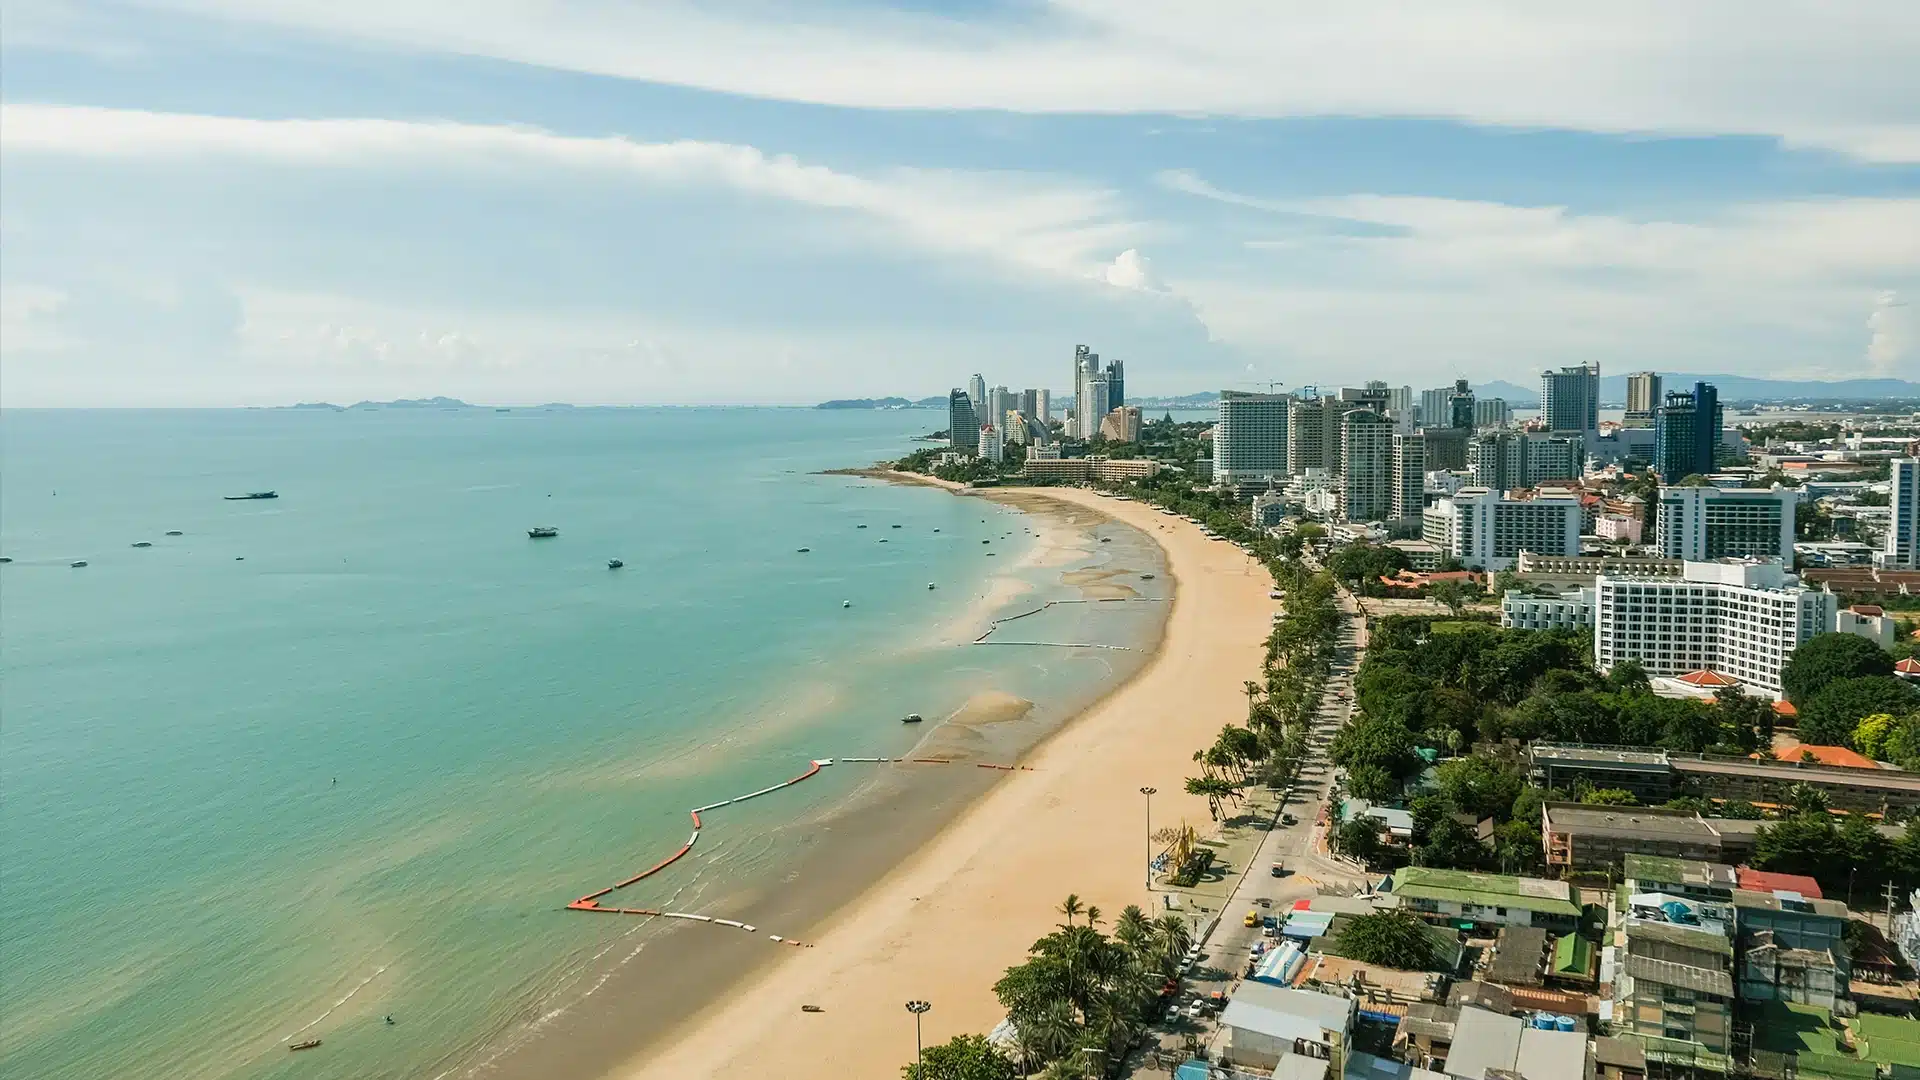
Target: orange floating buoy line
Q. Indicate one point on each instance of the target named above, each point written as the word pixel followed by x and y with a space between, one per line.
pixel 591 901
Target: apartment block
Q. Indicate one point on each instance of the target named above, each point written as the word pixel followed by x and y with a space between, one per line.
pixel 1741 619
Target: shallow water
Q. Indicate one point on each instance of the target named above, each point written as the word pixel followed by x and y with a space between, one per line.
pixel 510 724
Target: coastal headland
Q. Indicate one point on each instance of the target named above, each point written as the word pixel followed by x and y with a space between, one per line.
pixel 949 918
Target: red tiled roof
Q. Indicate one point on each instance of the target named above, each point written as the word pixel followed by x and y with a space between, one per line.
pixel 1827 755
pixel 1784 707
pixel 1867 609
pixel 1909 666
pixel 1767 881
pixel 1708 677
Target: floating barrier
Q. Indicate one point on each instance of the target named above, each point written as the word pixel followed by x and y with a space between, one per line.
pixel 591 901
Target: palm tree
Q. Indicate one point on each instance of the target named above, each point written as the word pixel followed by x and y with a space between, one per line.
pixel 1133 930
pixel 1175 936
pixel 1093 915
pixel 1213 788
pixel 1071 906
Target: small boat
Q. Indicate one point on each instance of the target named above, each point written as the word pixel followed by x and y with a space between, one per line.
pixel 911 718
pixel 896 526
pixel 78 563
pixel 846 603
pixel 883 539
pixel 1146 577
pixel 175 532
pixel 811 1008
pixel 5 559
pixel 239 558
pixel 307 1045
pixel 930 585
pixel 859 526
pixel 143 543
pixel 1106 539
pixel 936 530
pixel 252 495
pixel 542 532
pixel 986 541
pixel 803 551
pixel 614 564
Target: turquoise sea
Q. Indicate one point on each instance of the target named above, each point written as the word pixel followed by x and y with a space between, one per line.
pixel 348 752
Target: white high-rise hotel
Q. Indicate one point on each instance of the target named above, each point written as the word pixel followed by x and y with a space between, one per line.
pixel 1250 437
pixel 1739 618
pixel 1902 547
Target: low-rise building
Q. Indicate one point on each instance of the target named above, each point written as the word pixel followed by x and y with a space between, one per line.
pixel 1457 896
pixel 1112 470
pixel 1771 971
pixel 1532 611
pixel 1645 772
pixel 1674 985
pixel 1869 621
pixel 1421 555
pixel 1265 1023
pixel 1618 528
pixel 1590 566
pixel 1576 836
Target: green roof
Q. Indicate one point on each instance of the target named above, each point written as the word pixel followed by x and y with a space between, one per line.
pixel 1654 868
pixel 1572 955
pixel 1889 1040
pixel 1795 1029
pixel 1486 890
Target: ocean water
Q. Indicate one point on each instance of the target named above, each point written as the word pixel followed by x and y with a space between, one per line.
pixel 348 752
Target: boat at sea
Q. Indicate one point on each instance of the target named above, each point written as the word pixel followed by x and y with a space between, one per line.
pixel 1146 577
pixel 542 532
pixel 614 564
pixel 307 1045
pixel 78 563
pixel 175 532
pixel 143 543
pixel 911 718
pixel 803 551
pixel 252 495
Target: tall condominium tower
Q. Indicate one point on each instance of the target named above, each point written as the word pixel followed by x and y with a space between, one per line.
pixel 963 429
pixel 1250 437
pixel 1083 421
pixel 1686 432
pixel 1367 476
pixel 1116 375
pixel 1570 398
pixel 1643 397
pixel 1902 548
pixel 1409 474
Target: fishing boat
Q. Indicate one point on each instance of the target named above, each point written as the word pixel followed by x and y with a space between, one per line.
pixel 542 532
pixel 846 603
pixel 803 551
pixel 78 563
pixel 896 526
pixel 859 526
pixel 175 532
pixel 252 495
pixel 930 585
pixel 1146 577
pixel 307 1045
pixel 912 718
pixel 143 543
pixel 614 564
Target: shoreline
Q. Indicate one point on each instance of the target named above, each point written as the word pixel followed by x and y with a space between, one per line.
pixel 947 920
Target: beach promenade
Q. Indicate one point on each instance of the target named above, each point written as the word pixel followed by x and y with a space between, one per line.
pixel 947 923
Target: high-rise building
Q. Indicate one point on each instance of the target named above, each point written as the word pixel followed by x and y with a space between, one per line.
pixel 1374 395
pixel 1487 530
pixel 1446 447
pixel 1901 550
pixel 1121 424
pixel 1099 404
pixel 1739 618
pixel 1570 398
pixel 1116 385
pixel 1460 404
pixel 992 445
pixel 1409 474
pixel 1400 400
pixel 1491 413
pixel 1643 397
pixel 1501 460
pixel 1250 437
pixel 1367 478
pixel 1029 404
pixel 1436 407
pixel 977 394
pixel 1082 422
pixel 1686 432
pixel 1702 523
pixel 960 422
pixel 1043 406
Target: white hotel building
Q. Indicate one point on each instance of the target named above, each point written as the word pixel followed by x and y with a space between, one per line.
pixel 1487 531
pixel 1739 618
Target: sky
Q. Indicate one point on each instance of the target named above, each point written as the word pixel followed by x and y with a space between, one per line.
pixel 258 202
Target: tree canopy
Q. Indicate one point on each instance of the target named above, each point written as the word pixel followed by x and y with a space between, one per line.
pixel 1830 718
pixel 964 1057
pixel 1825 659
pixel 1395 939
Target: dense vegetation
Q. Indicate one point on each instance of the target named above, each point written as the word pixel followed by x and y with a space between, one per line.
pixel 1394 939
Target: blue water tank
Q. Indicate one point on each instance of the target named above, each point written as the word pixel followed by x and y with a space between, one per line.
pixel 1566 1023
pixel 1543 1021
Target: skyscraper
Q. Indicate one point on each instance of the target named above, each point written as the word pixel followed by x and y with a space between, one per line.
pixel 1043 402
pixel 1643 397
pixel 1116 385
pixel 1082 422
pixel 1491 413
pixel 1029 404
pixel 977 394
pixel 1367 478
pixel 963 431
pixel 1902 547
pixel 1686 432
pixel 1250 437
pixel 1460 405
pixel 1409 474
pixel 1570 398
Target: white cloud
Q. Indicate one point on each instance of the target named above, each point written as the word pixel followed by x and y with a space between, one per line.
pixel 1038 223
pixel 1132 270
pixel 1890 350
pixel 1832 76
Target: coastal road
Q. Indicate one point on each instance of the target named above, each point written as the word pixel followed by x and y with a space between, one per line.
pixel 1311 871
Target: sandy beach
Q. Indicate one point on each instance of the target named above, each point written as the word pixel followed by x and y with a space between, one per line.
pixel 947 922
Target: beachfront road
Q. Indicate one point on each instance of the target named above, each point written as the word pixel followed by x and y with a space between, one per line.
pixel 1300 847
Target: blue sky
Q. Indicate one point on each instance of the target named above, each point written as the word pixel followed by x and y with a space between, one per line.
pixel 217 202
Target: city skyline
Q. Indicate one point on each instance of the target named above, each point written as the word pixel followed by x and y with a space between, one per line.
pixel 216 204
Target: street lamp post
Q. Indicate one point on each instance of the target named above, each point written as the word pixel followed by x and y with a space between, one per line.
pixel 1148 792
pixel 918 1008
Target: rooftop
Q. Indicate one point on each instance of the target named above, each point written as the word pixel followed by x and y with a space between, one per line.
pixel 1284 1013
pixel 1792 772
pixel 1490 890
pixel 1517 960
pixel 1552 1055
pixel 1599 755
pixel 1826 755
pixel 1689 937
pixel 1659 868
pixel 1670 973
pixel 1889 1040
pixel 1630 823
pixel 1483 1040
pixel 1788 901
pixel 1768 881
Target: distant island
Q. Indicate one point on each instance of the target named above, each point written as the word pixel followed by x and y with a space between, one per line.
pixel 398 403
pixel 884 403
